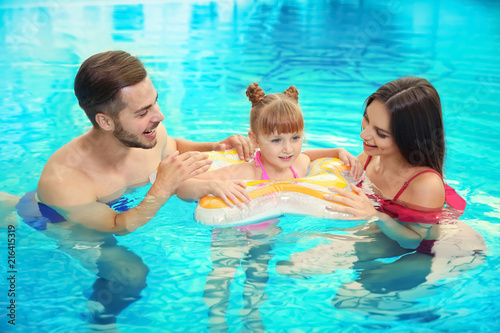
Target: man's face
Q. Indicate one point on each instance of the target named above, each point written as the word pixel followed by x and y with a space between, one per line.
pixel 136 125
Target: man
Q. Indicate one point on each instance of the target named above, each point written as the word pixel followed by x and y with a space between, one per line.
pixel 125 145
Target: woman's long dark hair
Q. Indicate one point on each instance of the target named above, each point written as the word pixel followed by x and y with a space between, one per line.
pixel 416 120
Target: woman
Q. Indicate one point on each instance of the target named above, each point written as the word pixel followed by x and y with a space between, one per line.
pixel 403 155
pixel 405 199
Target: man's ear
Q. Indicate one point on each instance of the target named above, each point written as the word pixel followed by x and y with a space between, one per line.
pixel 105 122
pixel 253 139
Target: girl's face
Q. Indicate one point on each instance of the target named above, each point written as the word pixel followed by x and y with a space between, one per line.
pixel 377 136
pixel 279 150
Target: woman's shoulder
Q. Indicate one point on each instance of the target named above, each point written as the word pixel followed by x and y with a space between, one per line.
pixel 426 190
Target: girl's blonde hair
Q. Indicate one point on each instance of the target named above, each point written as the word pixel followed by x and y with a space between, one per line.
pixel 272 113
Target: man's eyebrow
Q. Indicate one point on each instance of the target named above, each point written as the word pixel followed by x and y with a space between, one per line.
pixel 147 106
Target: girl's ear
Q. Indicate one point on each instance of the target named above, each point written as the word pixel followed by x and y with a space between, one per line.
pixel 105 122
pixel 253 139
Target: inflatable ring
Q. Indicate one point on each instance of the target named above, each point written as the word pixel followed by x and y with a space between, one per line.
pixel 274 198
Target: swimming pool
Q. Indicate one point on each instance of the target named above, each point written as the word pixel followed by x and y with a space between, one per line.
pixel 201 55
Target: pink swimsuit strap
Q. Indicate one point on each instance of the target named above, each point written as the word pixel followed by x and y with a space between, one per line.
pixel 265 176
pixel 405 185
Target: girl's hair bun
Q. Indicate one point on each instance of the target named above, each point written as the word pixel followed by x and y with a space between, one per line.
pixel 255 93
pixel 292 92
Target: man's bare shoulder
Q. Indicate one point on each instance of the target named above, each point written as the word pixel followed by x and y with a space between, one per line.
pixel 64 181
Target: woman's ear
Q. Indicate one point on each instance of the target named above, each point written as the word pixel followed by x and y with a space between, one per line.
pixel 105 122
pixel 253 139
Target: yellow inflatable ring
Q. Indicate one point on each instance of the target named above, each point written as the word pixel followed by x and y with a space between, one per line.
pixel 274 198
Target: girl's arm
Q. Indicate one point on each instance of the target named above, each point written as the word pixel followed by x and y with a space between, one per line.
pixel 344 155
pixel 217 183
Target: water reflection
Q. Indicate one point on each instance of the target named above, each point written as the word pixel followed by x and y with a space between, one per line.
pixel 390 280
pixel 249 247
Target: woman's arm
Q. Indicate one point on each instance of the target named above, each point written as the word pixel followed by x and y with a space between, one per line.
pixel 407 237
pixel 360 207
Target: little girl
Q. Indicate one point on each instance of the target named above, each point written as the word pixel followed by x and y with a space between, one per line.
pixel 276 127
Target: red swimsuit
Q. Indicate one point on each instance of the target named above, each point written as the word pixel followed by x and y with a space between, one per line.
pixel 405 214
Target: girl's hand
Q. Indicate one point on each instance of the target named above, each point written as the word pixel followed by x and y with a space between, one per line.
pixel 232 192
pixel 352 161
pixel 357 204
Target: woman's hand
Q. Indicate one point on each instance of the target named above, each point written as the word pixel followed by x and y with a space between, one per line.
pixel 232 192
pixel 360 207
pixel 352 161
pixel 356 204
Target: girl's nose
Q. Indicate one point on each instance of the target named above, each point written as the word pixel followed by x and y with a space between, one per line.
pixel 287 146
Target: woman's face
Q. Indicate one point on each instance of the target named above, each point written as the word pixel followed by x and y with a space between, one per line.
pixel 377 136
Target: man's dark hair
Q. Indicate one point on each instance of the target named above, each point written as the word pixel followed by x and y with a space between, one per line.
pixel 100 79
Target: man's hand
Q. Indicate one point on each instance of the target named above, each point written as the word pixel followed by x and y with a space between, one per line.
pixel 175 169
pixel 242 144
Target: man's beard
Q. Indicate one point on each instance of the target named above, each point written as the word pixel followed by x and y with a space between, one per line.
pixel 130 140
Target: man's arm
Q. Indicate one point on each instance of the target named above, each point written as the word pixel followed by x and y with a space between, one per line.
pixel 242 144
pixel 73 196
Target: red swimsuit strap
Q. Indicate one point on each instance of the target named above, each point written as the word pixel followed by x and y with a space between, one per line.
pixel 405 185
pixel 367 161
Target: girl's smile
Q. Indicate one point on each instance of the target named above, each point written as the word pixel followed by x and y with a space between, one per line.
pixel 286 158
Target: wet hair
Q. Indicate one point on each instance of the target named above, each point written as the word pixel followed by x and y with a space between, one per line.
pixel 416 120
pixel 100 79
pixel 278 112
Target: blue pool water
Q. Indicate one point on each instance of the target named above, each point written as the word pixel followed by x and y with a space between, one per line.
pixel 201 55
